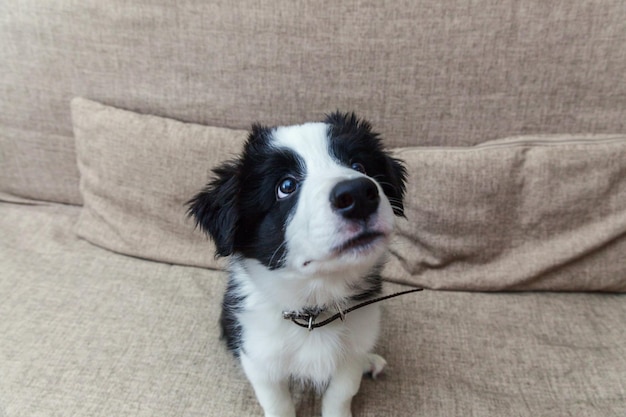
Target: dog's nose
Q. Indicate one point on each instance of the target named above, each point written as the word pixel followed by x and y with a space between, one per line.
pixel 355 199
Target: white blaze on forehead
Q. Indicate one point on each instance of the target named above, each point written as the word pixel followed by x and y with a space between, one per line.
pixel 294 136
pixel 309 141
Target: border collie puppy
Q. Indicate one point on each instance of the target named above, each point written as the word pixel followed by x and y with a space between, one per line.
pixel 305 213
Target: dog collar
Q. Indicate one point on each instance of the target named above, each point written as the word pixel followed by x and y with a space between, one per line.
pixel 307 316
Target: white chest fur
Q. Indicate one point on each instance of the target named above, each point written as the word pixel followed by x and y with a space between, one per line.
pixel 286 350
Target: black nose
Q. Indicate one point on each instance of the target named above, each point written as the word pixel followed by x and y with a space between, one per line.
pixel 355 199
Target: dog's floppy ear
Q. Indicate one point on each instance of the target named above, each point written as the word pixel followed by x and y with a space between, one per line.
pixel 394 185
pixel 215 208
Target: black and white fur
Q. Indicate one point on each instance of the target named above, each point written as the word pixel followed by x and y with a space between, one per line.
pixel 306 213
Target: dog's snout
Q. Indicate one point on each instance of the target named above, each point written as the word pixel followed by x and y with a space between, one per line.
pixel 355 199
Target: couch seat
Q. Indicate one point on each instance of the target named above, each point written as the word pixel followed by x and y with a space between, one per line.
pixel 88 332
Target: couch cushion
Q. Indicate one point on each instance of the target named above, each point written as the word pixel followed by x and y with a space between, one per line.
pixel 137 173
pixel 88 332
pixel 528 213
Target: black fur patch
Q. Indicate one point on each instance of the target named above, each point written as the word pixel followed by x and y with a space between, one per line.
pixel 231 328
pixel 239 208
pixel 372 286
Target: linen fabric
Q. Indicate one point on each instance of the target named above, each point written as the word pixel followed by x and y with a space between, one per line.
pixel 89 332
pixel 526 213
pixel 137 173
pixel 425 73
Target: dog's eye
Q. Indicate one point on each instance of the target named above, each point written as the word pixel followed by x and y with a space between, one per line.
pixel 285 187
pixel 357 166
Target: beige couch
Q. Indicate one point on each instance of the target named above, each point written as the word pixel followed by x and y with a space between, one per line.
pixel 109 299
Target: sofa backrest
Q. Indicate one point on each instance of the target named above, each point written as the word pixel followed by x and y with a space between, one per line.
pixel 425 73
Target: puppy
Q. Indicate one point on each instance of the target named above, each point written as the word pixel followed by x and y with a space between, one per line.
pixel 305 214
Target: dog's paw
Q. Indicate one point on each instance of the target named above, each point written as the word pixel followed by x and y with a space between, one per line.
pixel 375 365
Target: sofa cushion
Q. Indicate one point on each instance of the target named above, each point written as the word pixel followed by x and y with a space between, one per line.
pixel 137 172
pixel 527 213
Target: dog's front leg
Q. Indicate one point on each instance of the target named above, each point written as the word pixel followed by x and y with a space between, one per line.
pixel 343 386
pixel 274 396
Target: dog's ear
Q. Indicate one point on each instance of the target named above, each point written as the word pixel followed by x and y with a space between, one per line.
pixel 394 185
pixel 215 208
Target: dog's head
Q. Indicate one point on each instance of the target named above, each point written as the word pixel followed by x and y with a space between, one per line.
pixel 312 198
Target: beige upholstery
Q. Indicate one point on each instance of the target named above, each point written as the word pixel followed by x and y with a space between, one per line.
pixel 137 173
pixel 425 73
pixel 532 213
pixel 101 310
pixel 89 332
pixel 527 213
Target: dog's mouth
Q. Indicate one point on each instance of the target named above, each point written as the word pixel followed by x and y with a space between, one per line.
pixel 359 245
pixel 362 241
